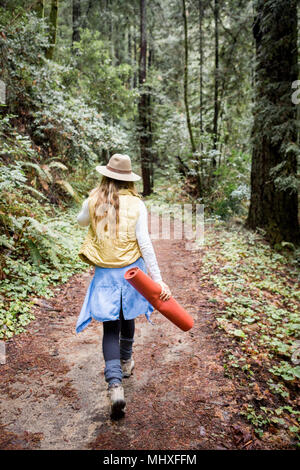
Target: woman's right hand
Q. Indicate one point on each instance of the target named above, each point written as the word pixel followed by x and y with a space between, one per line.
pixel 165 292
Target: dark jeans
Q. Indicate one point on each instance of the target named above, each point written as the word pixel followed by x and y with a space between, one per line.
pixel 116 345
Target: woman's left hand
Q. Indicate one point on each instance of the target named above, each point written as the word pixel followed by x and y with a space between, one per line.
pixel 165 292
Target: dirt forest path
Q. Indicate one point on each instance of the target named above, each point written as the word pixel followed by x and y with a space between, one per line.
pixel 53 394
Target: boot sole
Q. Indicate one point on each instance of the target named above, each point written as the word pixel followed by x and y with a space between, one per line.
pixel 117 409
pixel 127 375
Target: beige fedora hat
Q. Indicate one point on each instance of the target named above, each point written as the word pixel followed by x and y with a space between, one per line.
pixel 118 168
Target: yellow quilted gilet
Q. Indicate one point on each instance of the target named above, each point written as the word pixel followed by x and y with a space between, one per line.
pixel 114 252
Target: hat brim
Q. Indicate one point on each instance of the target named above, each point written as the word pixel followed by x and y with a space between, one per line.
pixel 117 176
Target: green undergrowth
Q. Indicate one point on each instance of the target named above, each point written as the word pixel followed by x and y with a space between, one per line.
pixel 260 302
pixel 39 236
pixel 53 260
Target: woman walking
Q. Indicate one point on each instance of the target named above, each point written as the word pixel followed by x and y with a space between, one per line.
pixel 117 240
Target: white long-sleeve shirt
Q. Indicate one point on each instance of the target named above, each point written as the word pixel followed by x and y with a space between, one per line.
pixel 142 236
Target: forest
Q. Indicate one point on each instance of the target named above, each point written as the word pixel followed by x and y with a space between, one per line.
pixel 204 96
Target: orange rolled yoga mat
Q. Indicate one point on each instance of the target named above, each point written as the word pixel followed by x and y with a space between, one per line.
pixel 151 290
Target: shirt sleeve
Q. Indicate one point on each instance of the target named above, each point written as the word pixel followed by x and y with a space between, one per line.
pixel 145 244
pixel 83 218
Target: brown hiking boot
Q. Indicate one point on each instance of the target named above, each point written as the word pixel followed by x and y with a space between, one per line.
pixel 127 367
pixel 117 401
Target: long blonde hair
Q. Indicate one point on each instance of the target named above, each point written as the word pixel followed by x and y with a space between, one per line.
pixel 105 217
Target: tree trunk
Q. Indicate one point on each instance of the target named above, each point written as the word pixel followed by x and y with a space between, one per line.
pixel 201 67
pixel 111 32
pixel 149 117
pixel 53 28
pixel 143 108
pixel 216 85
pixel 129 55
pixel 39 8
pixel 274 198
pixel 87 13
pixel 76 21
pixel 186 101
pixel 134 57
pixel 200 172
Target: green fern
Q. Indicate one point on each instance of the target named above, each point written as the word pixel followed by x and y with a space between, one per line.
pixel 40 171
pixel 55 164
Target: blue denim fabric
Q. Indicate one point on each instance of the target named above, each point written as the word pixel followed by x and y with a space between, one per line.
pixel 107 291
pixel 113 372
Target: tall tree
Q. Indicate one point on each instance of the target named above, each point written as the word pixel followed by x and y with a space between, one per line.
pixel 186 98
pixel 134 56
pixel 109 7
pixel 76 15
pixel 143 102
pixel 216 80
pixel 274 198
pixel 39 7
pixel 53 28
pixel 149 116
pixel 200 7
pixel 186 75
pixel 87 13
